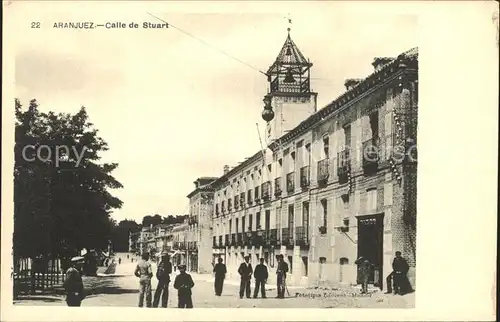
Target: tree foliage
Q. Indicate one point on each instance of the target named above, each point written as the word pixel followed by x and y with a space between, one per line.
pixel 61 205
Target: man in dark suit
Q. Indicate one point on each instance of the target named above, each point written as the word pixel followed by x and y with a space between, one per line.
pixel 183 283
pixel 281 277
pixel 245 270
pixel 163 276
pixel 220 274
pixel 398 276
pixel 260 275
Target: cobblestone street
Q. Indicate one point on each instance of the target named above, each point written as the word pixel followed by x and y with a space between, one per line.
pixel 122 291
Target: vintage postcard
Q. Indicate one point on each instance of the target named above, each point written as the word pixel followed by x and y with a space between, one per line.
pixel 259 156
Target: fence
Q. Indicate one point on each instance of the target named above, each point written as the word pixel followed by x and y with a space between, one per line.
pixel 32 276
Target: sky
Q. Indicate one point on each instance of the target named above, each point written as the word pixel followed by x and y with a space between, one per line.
pixel 173 109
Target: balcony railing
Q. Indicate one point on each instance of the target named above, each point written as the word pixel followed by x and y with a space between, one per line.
pixel 249 197
pixel 290 182
pixel 266 190
pixel 370 155
pixel 277 187
pixel 302 236
pixel 344 165
pixel 272 236
pixel 323 173
pixel 286 236
pixel 305 176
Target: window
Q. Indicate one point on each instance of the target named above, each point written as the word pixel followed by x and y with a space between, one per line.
pixel 325 213
pixel 237 225
pixel 243 228
pixel 230 226
pixel 257 218
pixel 292 162
pixel 307 155
pixel 347 135
pixel 268 219
pixel 371 200
pixel 326 146
pixel 250 221
pixel 305 218
pixel 290 260
pixel 374 124
pixel 290 220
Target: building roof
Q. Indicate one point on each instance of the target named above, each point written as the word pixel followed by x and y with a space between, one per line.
pixel 289 55
pixel 387 71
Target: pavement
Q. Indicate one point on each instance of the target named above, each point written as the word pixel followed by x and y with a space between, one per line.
pixel 120 289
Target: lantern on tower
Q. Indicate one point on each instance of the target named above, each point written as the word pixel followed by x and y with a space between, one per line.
pixel 267 114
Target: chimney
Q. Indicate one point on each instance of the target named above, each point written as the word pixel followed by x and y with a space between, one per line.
pixel 378 62
pixel 226 169
pixel 350 83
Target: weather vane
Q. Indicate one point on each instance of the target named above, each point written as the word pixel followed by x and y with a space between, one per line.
pixel 289 22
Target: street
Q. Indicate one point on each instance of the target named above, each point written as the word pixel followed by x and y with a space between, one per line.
pixel 121 290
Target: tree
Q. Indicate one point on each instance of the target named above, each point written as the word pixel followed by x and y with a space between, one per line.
pixel 62 202
pixel 151 220
pixel 121 234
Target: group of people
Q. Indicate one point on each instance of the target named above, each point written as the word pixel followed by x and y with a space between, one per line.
pixel 183 283
pixel 246 272
pixel 397 280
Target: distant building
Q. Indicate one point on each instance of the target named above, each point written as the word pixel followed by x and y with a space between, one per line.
pixel 199 236
pixel 179 242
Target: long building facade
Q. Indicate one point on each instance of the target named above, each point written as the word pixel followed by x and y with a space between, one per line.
pixel 333 184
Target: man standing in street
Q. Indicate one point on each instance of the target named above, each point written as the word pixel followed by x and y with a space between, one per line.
pixel 245 270
pixel 163 275
pixel 281 277
pixel 261 276
pixel 73 285
pixel 365 269
pixel 398 276
pixel 220 274
pixel 144 271
pixel 183 284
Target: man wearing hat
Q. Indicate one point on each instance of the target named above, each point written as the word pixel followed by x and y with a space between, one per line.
pixel 73 284
pixel 183 284
pixel 281 277
pixel 163 276
pixel 245 270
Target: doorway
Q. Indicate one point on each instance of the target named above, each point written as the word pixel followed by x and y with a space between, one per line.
pixel 370 245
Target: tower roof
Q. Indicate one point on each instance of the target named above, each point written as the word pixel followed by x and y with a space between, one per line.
pixel 289 55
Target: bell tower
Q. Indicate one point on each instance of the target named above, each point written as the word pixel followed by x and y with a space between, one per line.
pixel 289 100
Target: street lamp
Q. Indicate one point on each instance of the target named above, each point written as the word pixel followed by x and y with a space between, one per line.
pixel 267 114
